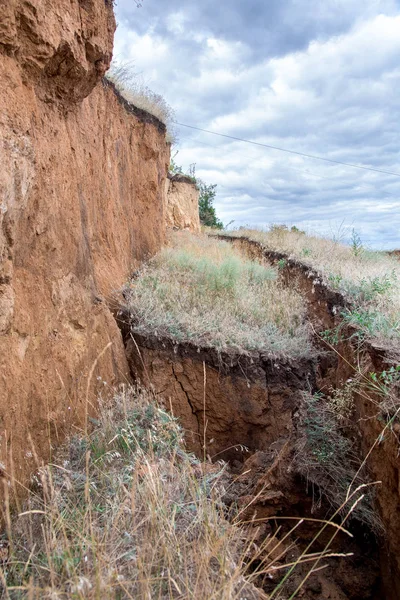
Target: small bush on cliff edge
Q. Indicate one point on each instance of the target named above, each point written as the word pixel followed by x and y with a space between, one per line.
pixel 208 216
pixel 207 212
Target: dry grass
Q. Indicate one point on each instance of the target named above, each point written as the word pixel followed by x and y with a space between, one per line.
pixel 370 280
pixel 326 456
pixel 125 513
pixel 203 291
pixel 138 94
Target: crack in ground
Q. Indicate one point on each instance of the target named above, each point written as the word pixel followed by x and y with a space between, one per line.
pixel 188 400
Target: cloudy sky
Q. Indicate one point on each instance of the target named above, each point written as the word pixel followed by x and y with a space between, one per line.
pixel 320 78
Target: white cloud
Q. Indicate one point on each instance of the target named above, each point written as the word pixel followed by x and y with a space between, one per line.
pixel 328 86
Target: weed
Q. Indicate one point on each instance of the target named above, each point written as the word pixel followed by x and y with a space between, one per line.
pixel 174 168
pixel 356 244
pixel 367 322
pixel 295 229
pixel 331 336
pixel 387 385
pixel 369 288
pixel 282 262
pixel 386 379
pixel 335 280
pixel 341 399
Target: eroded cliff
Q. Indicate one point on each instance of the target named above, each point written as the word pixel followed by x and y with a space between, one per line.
pixel 82 183
pixel 182 203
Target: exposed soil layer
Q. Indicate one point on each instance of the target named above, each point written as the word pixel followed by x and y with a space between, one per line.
pixel 82 185
pixel 224 400
pixel 182 203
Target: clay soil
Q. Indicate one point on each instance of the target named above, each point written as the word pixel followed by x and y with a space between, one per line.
pixel 229 405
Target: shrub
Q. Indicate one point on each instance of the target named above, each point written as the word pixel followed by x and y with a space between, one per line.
pixel 208 216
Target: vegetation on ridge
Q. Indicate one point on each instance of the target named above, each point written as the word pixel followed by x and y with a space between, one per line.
pixel 140 95
pixel 201 290
pixel 369 280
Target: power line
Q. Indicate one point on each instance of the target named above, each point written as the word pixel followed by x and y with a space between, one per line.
pixel 306 172
pixel 330 160
pixel 310 173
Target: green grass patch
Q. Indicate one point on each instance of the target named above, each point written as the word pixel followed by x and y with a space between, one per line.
pixel 203 291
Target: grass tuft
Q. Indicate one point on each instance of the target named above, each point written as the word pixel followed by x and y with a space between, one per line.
pixel 203 291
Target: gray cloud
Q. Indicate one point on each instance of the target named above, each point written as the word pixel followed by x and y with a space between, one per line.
pixel 323 81
pixel 270 29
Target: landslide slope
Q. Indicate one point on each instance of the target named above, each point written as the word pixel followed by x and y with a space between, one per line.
pixel 82 184
pixel 353 304
pixel 225 339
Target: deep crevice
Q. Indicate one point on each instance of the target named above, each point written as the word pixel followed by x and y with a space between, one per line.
pixel 194 412
pixel 324 301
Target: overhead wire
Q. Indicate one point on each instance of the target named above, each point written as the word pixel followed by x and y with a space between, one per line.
pixel 197 141
pixel 306 171
pixel 271 147
pixel 311 174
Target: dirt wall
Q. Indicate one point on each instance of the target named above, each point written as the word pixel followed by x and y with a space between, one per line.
pixel 224 400
pixel 82 180
pixel 182 204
